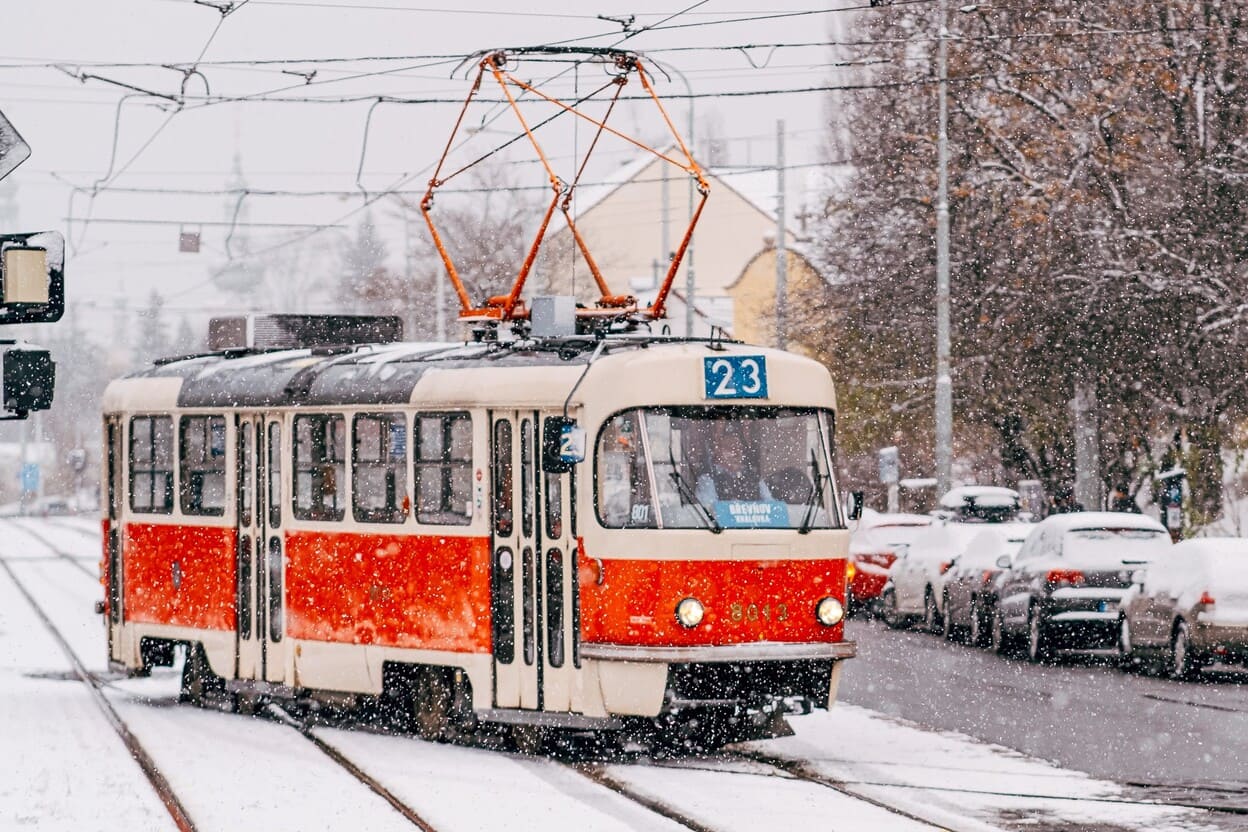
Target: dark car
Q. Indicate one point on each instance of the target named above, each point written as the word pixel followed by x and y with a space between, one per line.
pixel 969 588
pixel 1062 591
pixel 1189 608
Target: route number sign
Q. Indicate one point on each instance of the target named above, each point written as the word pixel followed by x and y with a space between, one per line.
pixel 735 377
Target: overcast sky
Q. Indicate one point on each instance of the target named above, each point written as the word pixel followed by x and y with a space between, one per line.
pixel 300 146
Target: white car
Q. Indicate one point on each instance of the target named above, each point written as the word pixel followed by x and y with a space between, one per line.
pixel 912 589
pixel 873 547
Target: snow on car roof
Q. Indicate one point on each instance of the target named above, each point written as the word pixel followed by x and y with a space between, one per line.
pixel 984 495
pixel 1217 548
pixel 1093 520
pixel 878 519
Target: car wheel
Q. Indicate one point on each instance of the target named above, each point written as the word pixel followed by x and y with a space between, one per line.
pixel 1038 649
pixel 946 620
pixel 1127 658
pixel 979 633
pixel 931 616
pixel 1182 664
pixel 888 610
pixel 1002 642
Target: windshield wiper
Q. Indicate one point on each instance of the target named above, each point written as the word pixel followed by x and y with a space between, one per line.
pixel 812 502
pixel 704 513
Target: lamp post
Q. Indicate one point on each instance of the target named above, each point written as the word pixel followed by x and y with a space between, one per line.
pixel 689 283
pixel 944 380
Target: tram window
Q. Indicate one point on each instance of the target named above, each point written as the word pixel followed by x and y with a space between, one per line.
pixel 276 625
pixel 444 468
pixel 244 587
pixel 554 606
pixel 320 469
pixel 275 475
pixel 202 462
pixel 503 517
pixel 554 506
pixel 622 474
pixel 526 477
pixel 245 465
pixel 151 464
pixel 379 468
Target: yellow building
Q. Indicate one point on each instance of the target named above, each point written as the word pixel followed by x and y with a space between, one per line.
pixel 753 296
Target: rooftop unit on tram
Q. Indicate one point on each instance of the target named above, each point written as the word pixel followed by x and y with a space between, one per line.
pixel 277 332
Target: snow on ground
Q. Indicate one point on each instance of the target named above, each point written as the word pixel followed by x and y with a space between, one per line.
pixel 949 778
pixel 62 767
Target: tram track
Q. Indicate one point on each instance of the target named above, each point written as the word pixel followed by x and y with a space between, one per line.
pixel 56 550
pixel 164 791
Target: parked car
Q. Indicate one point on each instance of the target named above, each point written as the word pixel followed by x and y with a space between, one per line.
pixel 911 589
pixel 872 549
pixel 1062 590
pixel 968 590
pixel 1189 608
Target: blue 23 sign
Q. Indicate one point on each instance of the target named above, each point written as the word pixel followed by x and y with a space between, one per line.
pixel 735 377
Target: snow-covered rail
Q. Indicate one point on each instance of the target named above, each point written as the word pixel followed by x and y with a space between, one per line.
pixel 154 775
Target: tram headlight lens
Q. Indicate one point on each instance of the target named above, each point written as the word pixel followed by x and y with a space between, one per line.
pixel 689 612
pixel 829 611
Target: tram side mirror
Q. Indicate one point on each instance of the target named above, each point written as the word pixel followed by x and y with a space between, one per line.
pixel 32 278
pixel 853 506
pixel 563 444
pixel 1003 562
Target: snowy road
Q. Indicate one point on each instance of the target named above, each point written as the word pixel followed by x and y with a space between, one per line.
pixel 63 766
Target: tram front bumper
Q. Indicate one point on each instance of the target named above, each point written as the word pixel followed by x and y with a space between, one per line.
pixel 649 681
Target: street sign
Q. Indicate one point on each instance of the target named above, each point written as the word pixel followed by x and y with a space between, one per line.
pixel 890 464
pixel 13 148
pixel 30 477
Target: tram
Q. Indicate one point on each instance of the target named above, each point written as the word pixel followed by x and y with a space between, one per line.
pixel 336 514
pixel 567 521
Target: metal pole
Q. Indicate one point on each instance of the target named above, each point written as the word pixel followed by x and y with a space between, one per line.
pixel 944 380
pixel 688 261
pixel 782 255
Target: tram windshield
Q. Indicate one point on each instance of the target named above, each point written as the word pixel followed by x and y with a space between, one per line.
pixel 716 468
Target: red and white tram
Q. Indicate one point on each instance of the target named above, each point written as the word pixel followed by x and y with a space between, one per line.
pixel 335 519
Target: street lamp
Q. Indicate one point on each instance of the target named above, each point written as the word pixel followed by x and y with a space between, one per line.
pixel 944 380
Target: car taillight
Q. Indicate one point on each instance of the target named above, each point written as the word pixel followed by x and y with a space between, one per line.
pixel 944 566
pixel 1065 577
pixel 987 576
pixel 1206 598
pixel 850 571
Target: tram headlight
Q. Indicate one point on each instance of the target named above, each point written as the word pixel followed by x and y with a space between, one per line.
pixel 829 611
pixel 689 612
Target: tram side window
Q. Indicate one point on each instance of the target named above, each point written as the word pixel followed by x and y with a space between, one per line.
pixel 444 468
pixel 151 464
pixel 379 468
pixel 622 478
pixel 320 467
pixel 202 462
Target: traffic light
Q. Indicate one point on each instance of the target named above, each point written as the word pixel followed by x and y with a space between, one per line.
pixel 32 290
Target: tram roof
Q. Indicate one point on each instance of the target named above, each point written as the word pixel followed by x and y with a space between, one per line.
pixel 388 374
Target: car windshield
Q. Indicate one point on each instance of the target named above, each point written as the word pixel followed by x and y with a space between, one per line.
pixel 716 468
pixel 1115 546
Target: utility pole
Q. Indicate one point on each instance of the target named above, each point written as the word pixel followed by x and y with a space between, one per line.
pixel 944 380
pixel 782 255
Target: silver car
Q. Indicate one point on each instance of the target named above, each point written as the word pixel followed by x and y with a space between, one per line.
pixel 1189 608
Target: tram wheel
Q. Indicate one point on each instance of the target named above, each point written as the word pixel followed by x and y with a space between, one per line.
pixel 528 739
pixel 431 703
pixel 199 683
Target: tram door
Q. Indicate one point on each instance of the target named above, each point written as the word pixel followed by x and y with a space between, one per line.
pixel 115 462
pixel 261 551
pixel 249 539
pixel 531 577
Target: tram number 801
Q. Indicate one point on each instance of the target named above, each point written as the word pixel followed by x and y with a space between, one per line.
pixel 751 612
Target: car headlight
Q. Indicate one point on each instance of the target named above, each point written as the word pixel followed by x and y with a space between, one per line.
pixel 829 611
pixel 689 612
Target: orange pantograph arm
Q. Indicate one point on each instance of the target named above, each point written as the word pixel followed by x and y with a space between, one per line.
pixel 426 204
